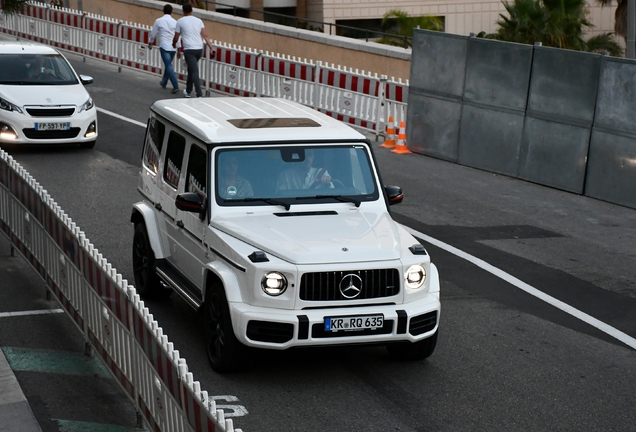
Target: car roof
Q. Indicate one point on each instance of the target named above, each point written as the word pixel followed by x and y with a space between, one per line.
pixel 252 119
pixel 25 47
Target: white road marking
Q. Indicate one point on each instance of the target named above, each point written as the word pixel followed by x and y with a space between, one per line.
pixel 121 117
pixel 605 328
pixel 33 312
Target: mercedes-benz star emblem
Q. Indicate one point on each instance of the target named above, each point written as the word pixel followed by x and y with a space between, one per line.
pixel 350 286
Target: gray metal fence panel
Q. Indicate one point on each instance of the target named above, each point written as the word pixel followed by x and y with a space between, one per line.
pixel 439 64
pixel 611 172
pixel 564 85
pixel 554 154
pixel 497 73
pixel 615 107
pixel 433 126
pixel 490 139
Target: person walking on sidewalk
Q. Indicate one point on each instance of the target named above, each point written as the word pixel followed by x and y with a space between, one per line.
pixel 164 27
pixel 192 33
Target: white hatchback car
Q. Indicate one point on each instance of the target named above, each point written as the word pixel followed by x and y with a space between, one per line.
pixel 42 99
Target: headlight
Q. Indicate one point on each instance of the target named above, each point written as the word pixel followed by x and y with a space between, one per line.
pixel 87 105
pixel 415 276
pixel 8 106
pixel 7 132
pixel 274 283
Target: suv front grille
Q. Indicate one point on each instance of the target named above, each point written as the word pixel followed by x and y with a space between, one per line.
pixel 325 286
pixel 51 112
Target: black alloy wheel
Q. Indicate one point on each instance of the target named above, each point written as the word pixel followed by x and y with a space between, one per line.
pixel 147 282
pixel 225 352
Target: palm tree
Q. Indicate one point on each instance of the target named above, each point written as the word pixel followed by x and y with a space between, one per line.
pixel 620 16
pixel 12 6
pixel 402 25
pixel 555 23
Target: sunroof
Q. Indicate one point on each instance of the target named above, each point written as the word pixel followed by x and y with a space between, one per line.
pixel 261 123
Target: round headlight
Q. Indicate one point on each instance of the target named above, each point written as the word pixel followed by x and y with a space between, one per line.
pixel 274 283
pixel 415 276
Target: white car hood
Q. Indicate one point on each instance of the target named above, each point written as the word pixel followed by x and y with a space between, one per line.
pixel 25 95
pixel 349 236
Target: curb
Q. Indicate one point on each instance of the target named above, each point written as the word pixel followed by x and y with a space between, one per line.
pixel 15 412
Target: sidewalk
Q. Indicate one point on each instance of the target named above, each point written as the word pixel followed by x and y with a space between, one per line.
pixel 15 412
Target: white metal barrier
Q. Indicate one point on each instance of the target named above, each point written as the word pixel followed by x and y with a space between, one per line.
pixel 362 99
pixel 104 307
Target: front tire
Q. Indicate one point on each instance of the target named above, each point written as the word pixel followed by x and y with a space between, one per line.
pixel 147 282
pixel 225 352
pixel 407 351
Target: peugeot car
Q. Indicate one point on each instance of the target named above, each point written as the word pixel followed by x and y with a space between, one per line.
pixel 42 99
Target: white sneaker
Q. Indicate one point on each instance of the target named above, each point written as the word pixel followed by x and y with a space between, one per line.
pixel 186 94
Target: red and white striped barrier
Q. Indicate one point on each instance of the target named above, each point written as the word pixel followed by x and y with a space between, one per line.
pixel 355 97
pixel 104 307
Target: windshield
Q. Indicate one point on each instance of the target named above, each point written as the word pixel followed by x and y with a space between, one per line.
pixel 35 69
pixel 288 175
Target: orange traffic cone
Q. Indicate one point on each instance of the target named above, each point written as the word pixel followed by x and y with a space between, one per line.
pixel 389 142
pixel 400 148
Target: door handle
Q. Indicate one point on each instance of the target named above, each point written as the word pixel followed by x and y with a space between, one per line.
pixel 180 224
pixel 158 206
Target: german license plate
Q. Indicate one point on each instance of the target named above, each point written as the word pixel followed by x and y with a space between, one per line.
pixel 52 126
pixel 353 323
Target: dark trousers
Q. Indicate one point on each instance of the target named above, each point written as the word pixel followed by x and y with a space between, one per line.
pixel 192 61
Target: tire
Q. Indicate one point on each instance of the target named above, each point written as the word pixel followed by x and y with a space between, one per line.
pixel 407 351
pixel 88 144
pixel 147 282
pixel 225 352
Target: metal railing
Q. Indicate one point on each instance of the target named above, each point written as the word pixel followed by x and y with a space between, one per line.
pixel 356 97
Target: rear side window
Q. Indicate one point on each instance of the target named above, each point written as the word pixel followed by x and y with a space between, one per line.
pixel 174 159
pixel 195 175
pixel 154 143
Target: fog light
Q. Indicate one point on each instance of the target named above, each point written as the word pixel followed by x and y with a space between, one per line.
pixel 415 276
pixel 7 132
pixel 91 131
pixel 274 283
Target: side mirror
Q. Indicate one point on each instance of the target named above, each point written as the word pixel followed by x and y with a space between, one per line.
pixel 191 202
pixel 395 194
pixel 85 79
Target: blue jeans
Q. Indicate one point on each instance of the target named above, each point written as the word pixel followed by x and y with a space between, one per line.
pixel 192 60
pixel 168 71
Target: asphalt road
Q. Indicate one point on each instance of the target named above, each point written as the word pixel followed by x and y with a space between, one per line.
pixel 505 360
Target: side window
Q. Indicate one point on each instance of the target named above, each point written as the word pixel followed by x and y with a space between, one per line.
pixel 154 143
pixel 174 159
pixel 196 173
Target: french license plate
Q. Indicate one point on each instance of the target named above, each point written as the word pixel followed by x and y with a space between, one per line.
pixel 353 323
pixel 52 126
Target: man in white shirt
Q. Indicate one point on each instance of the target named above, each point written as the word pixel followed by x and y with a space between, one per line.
pixel 164 27
pixel 192 33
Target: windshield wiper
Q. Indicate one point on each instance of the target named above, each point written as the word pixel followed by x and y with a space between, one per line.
pixel 271 201
pixel 336 197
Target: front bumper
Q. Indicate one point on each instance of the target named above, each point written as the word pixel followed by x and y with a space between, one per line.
pixel 283 329
pixel 23 125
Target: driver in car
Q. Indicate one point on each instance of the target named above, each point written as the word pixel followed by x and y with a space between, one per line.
pixel 304 176
pixel 36 69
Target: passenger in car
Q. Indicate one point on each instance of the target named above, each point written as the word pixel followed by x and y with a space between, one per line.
pixel 304 176
pixel 230 184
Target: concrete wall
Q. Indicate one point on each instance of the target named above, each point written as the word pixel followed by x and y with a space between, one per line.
pixel 304 44
pixel 559 118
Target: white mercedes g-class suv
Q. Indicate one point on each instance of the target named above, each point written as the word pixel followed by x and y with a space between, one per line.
pixel 272 219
